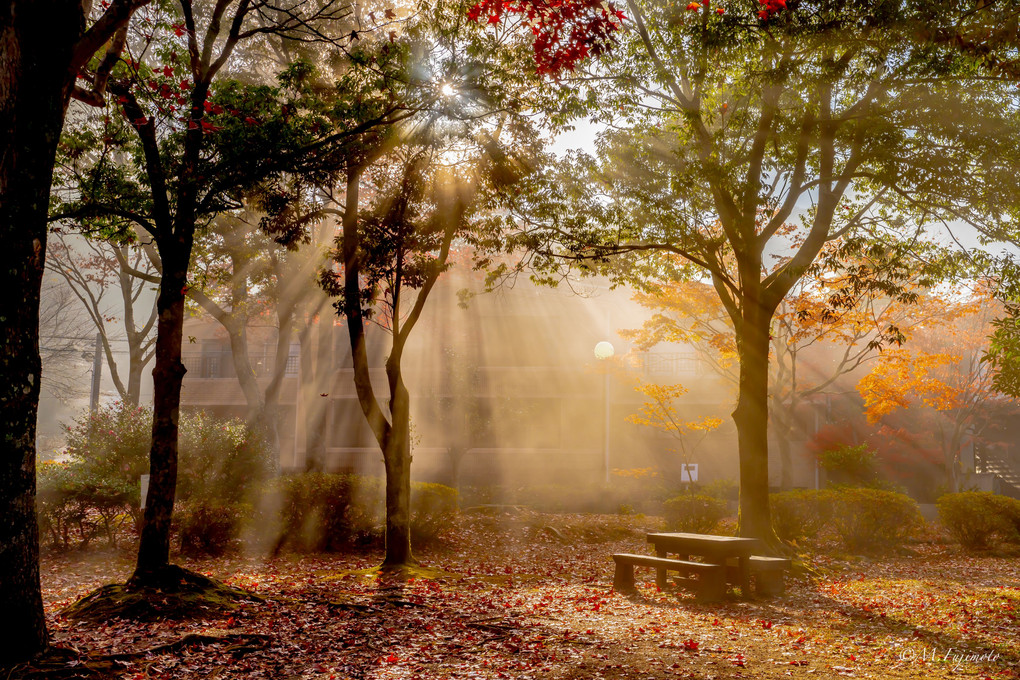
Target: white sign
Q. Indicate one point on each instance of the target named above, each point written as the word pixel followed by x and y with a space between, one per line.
pixel 689 472
pixel 144 482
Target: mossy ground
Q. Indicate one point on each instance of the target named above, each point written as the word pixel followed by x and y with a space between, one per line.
pixel 175 593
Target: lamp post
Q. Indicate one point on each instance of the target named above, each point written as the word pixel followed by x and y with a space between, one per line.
pixel 604 351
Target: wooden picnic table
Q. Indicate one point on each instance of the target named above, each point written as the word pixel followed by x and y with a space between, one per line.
pixel 712 549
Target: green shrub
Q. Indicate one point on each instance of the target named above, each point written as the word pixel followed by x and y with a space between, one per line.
pixel 801 513
pixel 723 489
pixel 222 461
pixel 433 507
pixel 872 519
pixel 322 512
pixel 209 529
pixel 974 518
pixel 96 489
pixel 850 465
pixel 695 513
pixel 74 510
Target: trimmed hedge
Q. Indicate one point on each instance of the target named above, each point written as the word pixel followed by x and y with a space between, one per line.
pixel 864 520
pixel 976 518
pixel 874 520
pixel 801 514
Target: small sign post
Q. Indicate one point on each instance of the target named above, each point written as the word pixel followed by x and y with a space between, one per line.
pixel 144 483
pixel 689 473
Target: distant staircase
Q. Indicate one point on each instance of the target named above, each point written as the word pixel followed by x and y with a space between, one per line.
pixel 1005 465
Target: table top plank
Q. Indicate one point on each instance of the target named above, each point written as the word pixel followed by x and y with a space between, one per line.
pixel 704 544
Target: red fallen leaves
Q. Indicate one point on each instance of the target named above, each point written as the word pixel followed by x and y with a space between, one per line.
pixel 691 645
pixel 566 31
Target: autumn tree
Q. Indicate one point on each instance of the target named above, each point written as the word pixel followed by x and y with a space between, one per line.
pixel 821 331
pixel 49 52
pixel 737 132
pixel 660 412
pixel 942 376
pixel 192 142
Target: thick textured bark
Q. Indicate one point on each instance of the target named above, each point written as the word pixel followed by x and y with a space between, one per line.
pixel 751 419
pixel 167 376
pixel 36 49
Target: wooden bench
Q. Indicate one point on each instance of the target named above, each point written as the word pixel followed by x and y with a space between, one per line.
pixel 768 573
pixel 710 585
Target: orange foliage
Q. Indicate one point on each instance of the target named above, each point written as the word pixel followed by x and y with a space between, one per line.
pixel 901 374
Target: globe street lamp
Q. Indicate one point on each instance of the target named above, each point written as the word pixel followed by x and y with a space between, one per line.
pixel 604 351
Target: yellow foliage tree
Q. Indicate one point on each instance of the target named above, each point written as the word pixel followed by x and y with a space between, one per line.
pixel 813 342
pixel 659 411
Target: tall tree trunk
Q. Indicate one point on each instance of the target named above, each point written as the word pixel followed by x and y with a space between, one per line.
pixel 167 376
pixel 237 332
pixel 397 459
pixel 36 41
pixel 751 419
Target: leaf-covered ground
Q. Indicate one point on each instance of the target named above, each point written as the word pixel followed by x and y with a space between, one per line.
pixel 529 596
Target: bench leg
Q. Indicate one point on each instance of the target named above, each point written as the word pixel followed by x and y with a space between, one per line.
pixel 712 585
pixel 745 576
pixel 770 583
pixel 623 578
pixel 660 574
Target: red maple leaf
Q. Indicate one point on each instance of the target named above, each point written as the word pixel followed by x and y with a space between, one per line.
pixel 566 32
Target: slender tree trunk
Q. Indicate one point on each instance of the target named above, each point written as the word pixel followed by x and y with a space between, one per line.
pixel 134 385
pixel 238 334
pixel 751 419
pixel 167 376
pixel 36 41
pixel 397 459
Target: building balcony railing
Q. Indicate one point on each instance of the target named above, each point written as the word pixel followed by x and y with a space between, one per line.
pixel 220 364
pixel 667 363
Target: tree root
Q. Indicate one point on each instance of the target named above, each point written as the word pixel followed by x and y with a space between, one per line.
pixel 63 663
pixel 170 593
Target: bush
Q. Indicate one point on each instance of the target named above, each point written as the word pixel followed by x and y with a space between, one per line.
pixel 974 517
pixel 850 465
pixel 222 461
pixel 97 487
pixel 322 512
pixel 433 507
pixel 695 513
pixel 208 529
pixel 872 519
pixel 723 489
pixel 801 514
pixel 73 509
